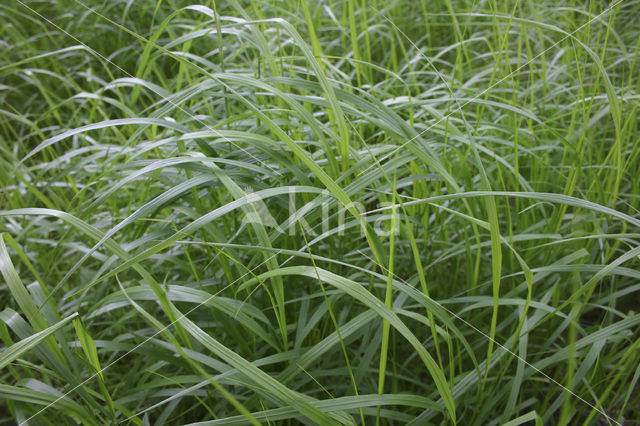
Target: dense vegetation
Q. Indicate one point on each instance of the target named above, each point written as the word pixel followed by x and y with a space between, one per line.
pixel 333 211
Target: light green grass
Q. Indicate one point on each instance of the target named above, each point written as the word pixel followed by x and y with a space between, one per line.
pixel 198 206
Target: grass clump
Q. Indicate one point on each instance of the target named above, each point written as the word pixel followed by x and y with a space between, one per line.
pixel 330 212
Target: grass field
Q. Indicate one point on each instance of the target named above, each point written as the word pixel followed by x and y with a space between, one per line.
pixel 319 212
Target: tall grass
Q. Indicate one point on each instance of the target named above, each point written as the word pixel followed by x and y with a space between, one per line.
pixel 327 212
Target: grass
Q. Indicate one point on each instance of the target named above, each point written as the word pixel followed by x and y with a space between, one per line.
pixel 328 212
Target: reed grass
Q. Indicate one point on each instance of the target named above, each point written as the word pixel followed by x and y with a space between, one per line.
pixel 327 212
